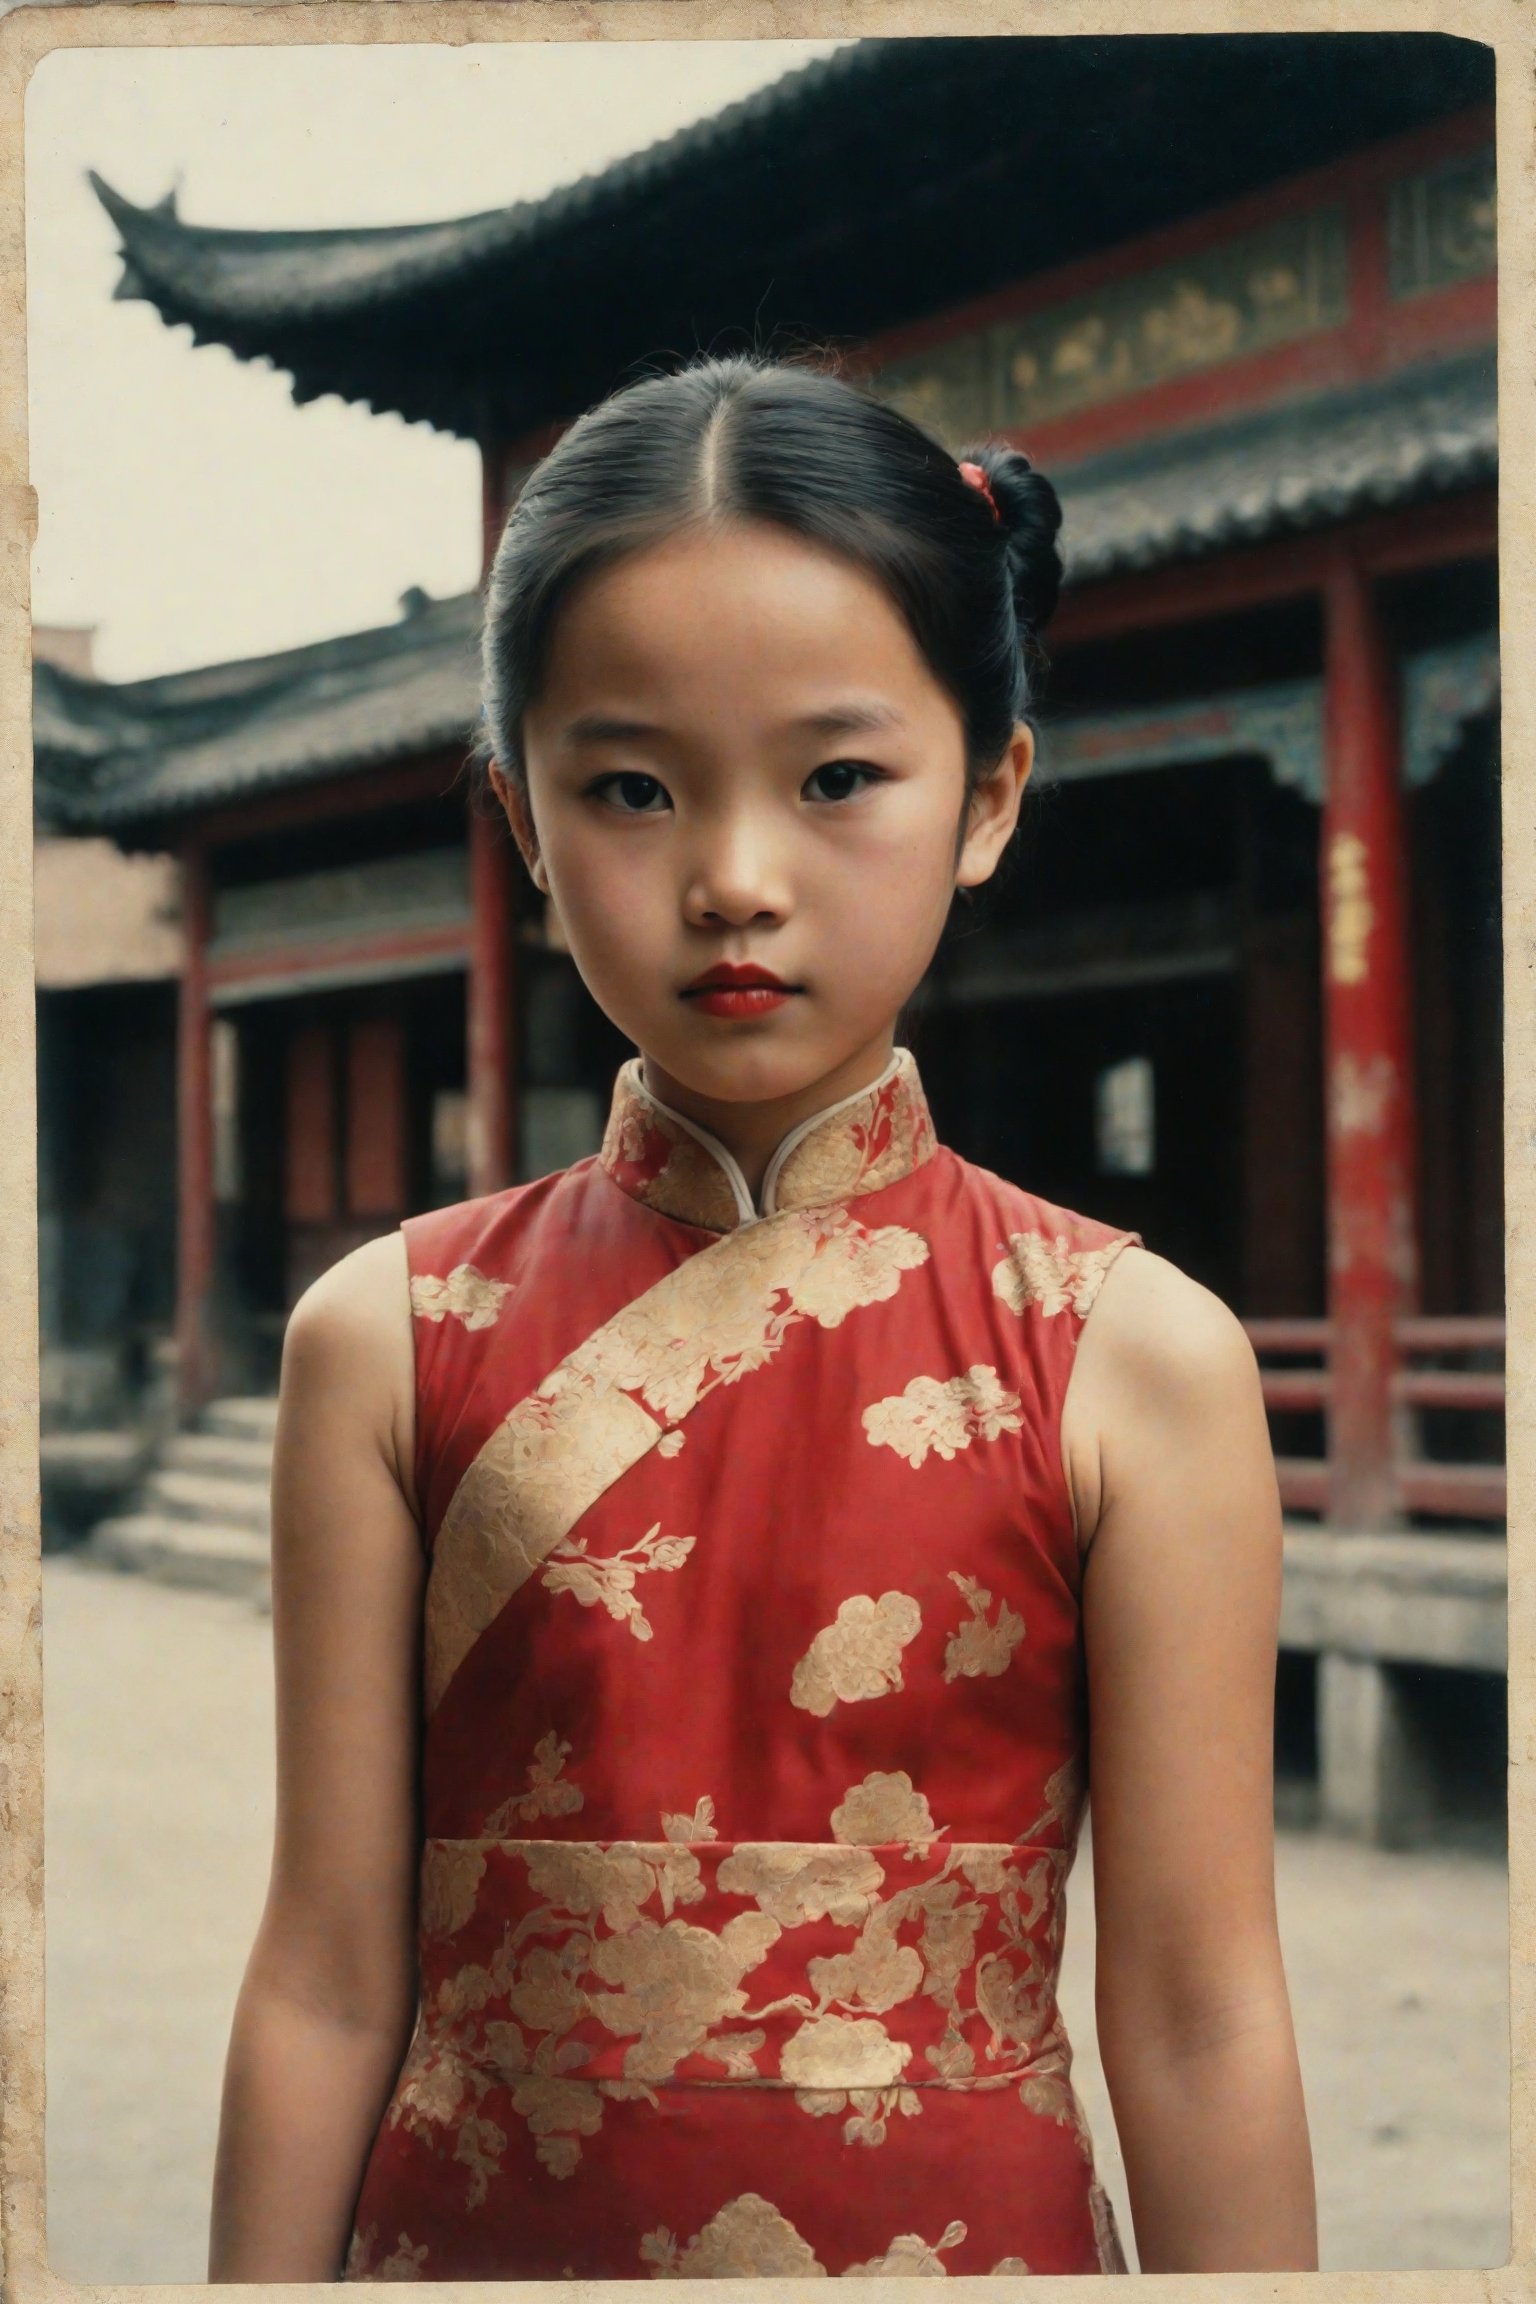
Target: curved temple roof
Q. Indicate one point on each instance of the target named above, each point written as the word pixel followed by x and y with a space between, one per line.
pixel 887 182
pixel 150 752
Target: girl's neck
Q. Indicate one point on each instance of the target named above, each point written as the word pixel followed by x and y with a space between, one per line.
pixel 752 1132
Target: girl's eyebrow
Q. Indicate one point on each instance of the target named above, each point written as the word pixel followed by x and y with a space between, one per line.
pixel 837 720
pixel 849 719
pixel 608 728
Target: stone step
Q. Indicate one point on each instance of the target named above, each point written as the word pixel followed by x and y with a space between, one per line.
pixel 253 1419
pixel 103 1461
pixel 86 1476
pixel 238 1503
pixel 206 1556
pixel 224 1454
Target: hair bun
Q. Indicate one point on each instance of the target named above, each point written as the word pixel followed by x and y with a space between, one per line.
pixel 1030 512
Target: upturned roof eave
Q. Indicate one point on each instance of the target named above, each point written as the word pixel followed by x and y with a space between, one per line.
pixel 162 252
pixel 788 208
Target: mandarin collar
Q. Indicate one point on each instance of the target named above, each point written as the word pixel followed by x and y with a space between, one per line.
pixel 861 1143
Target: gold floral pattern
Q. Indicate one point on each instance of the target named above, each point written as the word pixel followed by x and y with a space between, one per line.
pixel 441 2088
pixel 405 2261
pixel 983 1647
pixel 747 2239
pixel 858 1145
pixel 596 1989
pixel 1066 1791
pixel 796 1884
pixel 1052 1274
pixel 878 1973
pixel 597 1986
pixel 884 1811
pixel 610 1583
pixel 750 2239
pixel 662 1162
pixel 699 1826
pixel 478 2145
pixel 707 1323
pixel 451 1872
pixel 909 2256
pixel 465 1295
pixel 858 1656
pixel 673 1985
pixel 943 1416
pixel 854 2052
pixel 550 1791
pixel 591 1881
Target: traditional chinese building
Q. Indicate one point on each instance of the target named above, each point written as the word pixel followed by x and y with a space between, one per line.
pixel 1236 295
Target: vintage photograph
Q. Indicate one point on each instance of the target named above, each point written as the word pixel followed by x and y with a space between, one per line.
pixel 767 819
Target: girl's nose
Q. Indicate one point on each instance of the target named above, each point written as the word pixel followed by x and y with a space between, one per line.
pixel 735 879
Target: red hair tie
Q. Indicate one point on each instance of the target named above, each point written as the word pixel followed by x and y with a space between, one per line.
pixel 974 477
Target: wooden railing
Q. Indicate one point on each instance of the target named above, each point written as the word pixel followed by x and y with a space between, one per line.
pixel 1475 1491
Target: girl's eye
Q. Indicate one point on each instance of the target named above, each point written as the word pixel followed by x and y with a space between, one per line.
pixel 631 792
pixel 837 775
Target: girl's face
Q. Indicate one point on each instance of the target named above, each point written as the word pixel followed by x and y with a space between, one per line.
pixel 740 755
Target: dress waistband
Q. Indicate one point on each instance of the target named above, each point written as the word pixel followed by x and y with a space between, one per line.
pixel 828 1969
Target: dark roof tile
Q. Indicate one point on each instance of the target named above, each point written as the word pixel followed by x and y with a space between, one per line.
pixel 892 180
pixel 1310 460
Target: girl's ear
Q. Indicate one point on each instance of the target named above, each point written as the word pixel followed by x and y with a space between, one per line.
pixel 514 802
pixel 994 810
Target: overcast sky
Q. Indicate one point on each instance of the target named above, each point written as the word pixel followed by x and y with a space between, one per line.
pixel 187 509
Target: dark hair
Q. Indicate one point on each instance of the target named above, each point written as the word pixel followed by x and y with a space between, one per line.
pixel 791 443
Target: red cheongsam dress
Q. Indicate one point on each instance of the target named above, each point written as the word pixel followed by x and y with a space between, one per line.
pixel 754 1701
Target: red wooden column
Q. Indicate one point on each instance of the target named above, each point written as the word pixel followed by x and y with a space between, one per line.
pixel 491 1055
pixel 493 502
pixel 196 1373
pixel 1368 1037
pixel 377 1151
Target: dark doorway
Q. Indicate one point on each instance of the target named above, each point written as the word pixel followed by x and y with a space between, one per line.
pixel 1030 1088
pixel 1126 1022
pixel 351 1116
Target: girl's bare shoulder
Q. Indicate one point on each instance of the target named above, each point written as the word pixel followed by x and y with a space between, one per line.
pixel 1164 1385
pixel 1160 1336
pixel 349 1358
pixel 362 1303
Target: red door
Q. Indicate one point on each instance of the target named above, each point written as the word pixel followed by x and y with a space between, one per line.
pixel 346 1140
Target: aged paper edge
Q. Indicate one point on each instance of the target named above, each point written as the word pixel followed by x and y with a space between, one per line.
pixel 31 32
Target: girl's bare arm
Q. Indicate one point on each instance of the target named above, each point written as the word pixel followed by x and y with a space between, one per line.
pixel 325 2011
pixel 1173 1478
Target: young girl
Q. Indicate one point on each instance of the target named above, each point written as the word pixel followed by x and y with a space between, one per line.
pixel 696 1572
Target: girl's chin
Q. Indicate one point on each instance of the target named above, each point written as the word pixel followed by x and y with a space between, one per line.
pixel 784 1034
pixel 744 1074
pixel 756 1069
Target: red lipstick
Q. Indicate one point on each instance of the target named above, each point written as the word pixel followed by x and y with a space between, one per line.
pixel 737 989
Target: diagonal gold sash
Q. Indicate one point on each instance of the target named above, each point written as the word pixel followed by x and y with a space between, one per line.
pixel 626 1387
